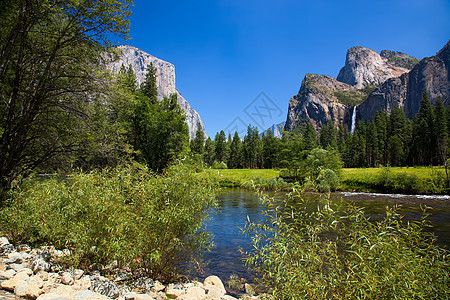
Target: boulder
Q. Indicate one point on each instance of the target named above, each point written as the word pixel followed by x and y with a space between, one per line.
pixel 10 284
pixel 66 278
pixel 216 282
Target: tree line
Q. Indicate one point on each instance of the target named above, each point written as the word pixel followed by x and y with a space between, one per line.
pixel 388 139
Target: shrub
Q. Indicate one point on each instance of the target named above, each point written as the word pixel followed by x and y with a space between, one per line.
pixel 327 181
pixel 320 249
pixel 152 222
pixel 219 165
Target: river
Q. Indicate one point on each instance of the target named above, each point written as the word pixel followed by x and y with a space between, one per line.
pixel 237 205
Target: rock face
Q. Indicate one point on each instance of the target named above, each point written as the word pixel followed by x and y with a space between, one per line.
pixel 275 129
pixel 318 101
pixel 365 67
pixel 430 74
pixel 165 72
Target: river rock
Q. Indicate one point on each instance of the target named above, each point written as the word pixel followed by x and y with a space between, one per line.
pixel 52 296
pixel 228 297
pixel 83 283
pixel 10 284
pixel 8 274
pixel 193 293
pixel 20 289
pixel 39 264
pixel 174 293
pixel 213 292
pixel 66 278
pixel 215 281
pixel 14 258
pixel 77 273
pixel 157 287
pixel 105 288
pixel 28 271
pixel 32 292
pixel 15 267
pixel 24 248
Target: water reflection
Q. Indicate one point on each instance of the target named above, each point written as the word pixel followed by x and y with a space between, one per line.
pixel 236 205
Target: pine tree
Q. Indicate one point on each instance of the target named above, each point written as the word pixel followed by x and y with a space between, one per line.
pixel 198 143
pixel 441 131
pixel 208 155
pixel 424 143
pixel 236 158
pixel 270 150
pixel 149 87
pixel 161 133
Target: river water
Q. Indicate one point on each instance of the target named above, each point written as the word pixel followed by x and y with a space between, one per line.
pixel 238 205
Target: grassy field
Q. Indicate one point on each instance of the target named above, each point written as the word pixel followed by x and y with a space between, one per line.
pixel 394 179
pixel 248 173
pixel 363 173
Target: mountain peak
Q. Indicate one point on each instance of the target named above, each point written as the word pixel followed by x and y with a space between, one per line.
pixel 364 67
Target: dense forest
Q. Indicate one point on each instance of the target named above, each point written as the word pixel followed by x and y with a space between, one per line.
pixel 389 139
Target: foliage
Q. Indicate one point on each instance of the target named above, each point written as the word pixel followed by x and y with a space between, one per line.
pixel 162 136
pixel 318 249
pixel 219 165
pixel 49 50
pixel 153 222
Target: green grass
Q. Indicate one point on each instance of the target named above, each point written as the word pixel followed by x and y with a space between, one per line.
pixel 248 173
pixel 399 179
pixel 411 180
pixel 363 173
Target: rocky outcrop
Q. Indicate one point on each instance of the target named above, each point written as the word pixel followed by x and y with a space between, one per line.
pixel 430 74
pixel 364 67
pixel 165 79
pixel 275 129
pixel 321 99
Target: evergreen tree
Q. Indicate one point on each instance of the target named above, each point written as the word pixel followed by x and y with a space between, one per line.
pixel 198 143
pixel 252 148
pixel 220 147
pixel 161 132
pixel 309 137
pixel 424 143
pixel 270 150
pixel 441 131
pixel 328 136
pixel 149 87
pixel 208 154
pixel 236 155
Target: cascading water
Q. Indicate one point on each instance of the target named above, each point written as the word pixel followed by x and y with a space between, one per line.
pixel 352 129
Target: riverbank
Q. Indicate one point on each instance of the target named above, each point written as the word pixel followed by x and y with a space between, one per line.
pixel 36 274
pixel 405 180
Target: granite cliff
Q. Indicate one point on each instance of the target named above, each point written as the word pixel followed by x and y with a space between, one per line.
pixel 323 98
pixel 165 71
pixel 431 74
pixel 364 67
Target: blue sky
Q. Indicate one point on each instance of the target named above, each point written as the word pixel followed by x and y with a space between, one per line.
pixel 233 56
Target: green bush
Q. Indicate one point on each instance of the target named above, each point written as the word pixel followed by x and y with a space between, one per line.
pixel 151 222
pixel 219 165
pixel 320 249
pixel 327 181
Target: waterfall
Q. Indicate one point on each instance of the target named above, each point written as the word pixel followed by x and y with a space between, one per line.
pixel 352 129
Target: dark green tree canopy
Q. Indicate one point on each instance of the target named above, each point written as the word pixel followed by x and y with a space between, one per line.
pixel 49 51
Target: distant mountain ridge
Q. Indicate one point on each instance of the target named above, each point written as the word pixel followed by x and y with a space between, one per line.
pixel 165 78
pixel 371 82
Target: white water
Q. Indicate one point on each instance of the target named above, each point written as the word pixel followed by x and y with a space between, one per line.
pixel 352 129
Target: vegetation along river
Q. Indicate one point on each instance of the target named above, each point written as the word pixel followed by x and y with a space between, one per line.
pixel 237 204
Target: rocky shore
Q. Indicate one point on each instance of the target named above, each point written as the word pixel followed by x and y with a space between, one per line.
pixel 27 273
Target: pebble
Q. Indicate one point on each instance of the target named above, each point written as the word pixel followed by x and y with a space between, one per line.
pixel 26 273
